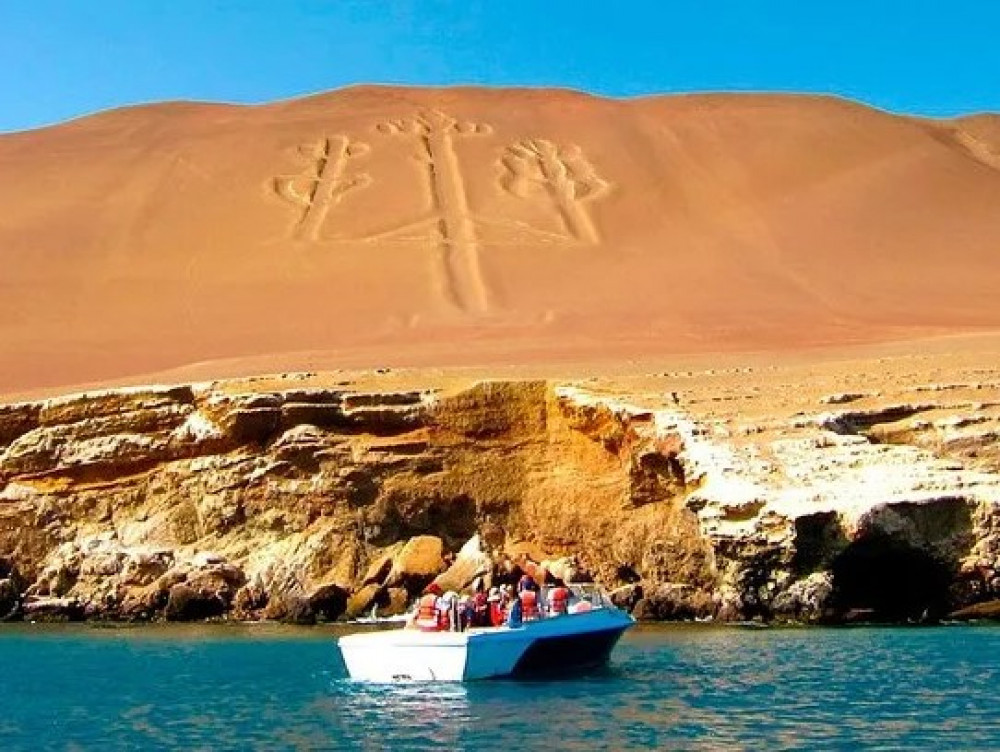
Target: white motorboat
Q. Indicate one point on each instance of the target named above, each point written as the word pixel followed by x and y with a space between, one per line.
pixel 551 644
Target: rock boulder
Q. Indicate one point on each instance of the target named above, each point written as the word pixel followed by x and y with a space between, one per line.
pixel 673 602
pixel 187 603
pixel 417 563
pixel 471 563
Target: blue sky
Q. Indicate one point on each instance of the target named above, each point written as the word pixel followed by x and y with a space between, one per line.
pixel 68 58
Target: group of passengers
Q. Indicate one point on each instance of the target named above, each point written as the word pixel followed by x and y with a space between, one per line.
pixel 500 605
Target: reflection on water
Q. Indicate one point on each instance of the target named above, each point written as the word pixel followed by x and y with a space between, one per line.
pixel 668 688
pixel 419 714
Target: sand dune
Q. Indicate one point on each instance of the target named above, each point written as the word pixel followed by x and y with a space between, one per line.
pixel 382 226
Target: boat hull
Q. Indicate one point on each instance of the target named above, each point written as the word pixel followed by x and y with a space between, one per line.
pixel 544 646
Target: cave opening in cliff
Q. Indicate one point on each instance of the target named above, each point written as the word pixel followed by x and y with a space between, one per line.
pixel 882 578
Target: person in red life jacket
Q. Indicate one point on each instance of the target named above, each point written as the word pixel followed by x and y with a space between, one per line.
pixel 480 609
pixel 428 617
pixel 558 599
pixel 529 605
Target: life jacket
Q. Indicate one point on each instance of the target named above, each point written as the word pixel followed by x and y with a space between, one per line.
pixel 496 614
pixel 558 600
pixel 428 617
pixel 444 609
pixel 529 604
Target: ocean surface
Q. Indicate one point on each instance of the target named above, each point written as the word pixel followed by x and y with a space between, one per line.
pixel 671 687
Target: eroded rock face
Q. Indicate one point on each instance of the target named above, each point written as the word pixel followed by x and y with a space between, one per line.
pixel 11 587
pixel 308 504
pixel 417 563
pixel 471 563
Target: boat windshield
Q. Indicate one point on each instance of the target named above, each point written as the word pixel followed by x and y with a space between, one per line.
pixel 591 592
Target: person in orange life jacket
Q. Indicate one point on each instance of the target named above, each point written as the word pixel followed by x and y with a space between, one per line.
pixel 558 598
pixel 428 616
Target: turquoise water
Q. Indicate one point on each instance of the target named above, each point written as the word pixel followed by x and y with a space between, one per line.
pixel 667 688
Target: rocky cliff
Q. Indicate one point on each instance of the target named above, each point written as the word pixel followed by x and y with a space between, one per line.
pixel 285 498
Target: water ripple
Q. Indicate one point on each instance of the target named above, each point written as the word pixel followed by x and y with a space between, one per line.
pixel 668 688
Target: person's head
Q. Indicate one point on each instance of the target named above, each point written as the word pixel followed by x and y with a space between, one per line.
pixel 494 595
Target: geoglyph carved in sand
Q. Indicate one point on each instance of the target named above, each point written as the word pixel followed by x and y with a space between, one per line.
pixel 324 182
pixel 533 170
pixel 564 174
pixel 451 222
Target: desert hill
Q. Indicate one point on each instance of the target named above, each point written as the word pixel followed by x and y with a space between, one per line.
pixel 388 226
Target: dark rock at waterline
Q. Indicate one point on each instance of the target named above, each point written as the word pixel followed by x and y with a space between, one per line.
pixel 807 600
pixel 674 602
pixel 328 602
pixel 53 609
pixel 11 586
pixel 10 600
pixel 290 608
pixel 185 603
pixel 219 580
pixel 883 578
pixel 249 602
pixel 627 596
